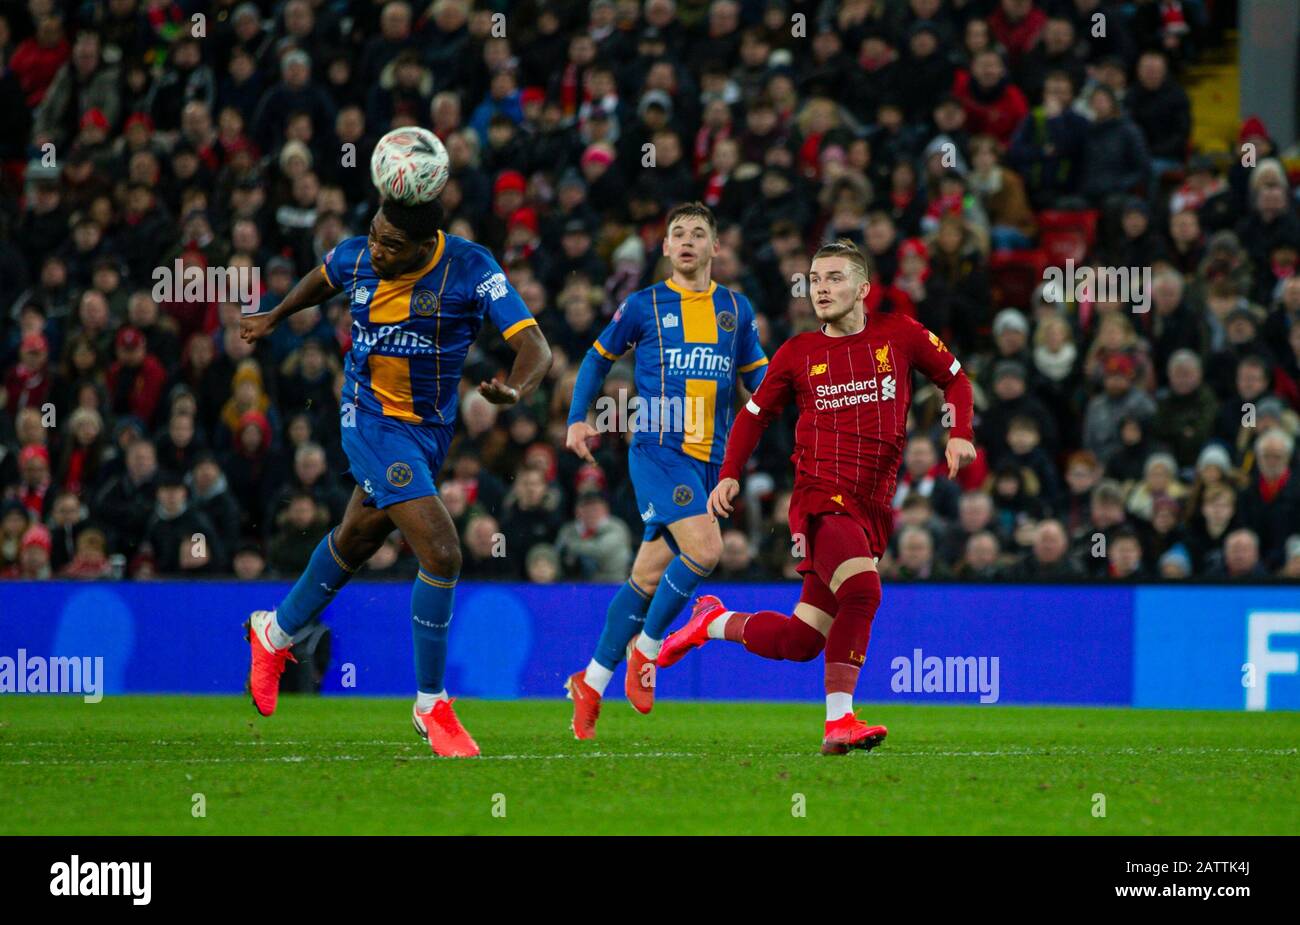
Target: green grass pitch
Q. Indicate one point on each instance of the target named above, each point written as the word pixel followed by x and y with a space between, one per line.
pixel 145 765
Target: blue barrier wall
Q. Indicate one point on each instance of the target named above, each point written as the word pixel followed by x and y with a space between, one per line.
pixel 1157 647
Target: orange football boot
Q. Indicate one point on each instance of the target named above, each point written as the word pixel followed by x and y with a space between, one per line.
pixel 267 661
pixel 639 683
pixel 694 634
pixel 443 731
pixel 846 733
pixel 586 705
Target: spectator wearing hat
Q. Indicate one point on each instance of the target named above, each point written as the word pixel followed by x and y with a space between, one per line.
pixel 27 383
pixel 210 495
pixel 35 486
pixel 135 380
pixel 1013 398
pixel 252 471
pixel 1255 133
pixel 33 556
pixel 1118 399
pixel 1138 243
pixel 1241 330
pixel 184 540
pixel 1010 331
pixel 1201 186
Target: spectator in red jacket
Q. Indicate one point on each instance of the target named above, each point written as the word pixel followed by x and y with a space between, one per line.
pixel 1017 24
pixel 994 106
pixel 135 381
pixel 37 59
pixel 27 384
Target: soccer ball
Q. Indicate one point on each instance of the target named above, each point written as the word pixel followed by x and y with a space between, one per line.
pixel 410 165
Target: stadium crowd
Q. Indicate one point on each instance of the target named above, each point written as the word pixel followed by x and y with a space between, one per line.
pixel 1119 438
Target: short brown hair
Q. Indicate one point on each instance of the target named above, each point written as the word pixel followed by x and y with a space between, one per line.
pixel 846 249
pixel 694 209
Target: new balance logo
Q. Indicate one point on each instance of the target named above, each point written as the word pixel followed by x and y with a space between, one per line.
pixel 818 369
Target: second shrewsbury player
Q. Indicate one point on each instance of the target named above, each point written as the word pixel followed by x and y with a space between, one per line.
pixel 692 338
pixel 417 297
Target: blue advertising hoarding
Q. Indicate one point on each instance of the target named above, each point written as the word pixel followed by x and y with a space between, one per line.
pixel 1121 646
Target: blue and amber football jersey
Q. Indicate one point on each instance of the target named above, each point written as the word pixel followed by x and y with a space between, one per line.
pixel 690 347
pixel 410 334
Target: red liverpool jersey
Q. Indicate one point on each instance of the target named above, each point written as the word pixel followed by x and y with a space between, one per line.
pixel 853 395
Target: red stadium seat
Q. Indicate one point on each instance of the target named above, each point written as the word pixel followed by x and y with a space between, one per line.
pixel 1067 235
pixel 1014 275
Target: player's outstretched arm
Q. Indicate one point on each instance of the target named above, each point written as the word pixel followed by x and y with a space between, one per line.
pixel 532 363
pixel 591 374
pixel 312 289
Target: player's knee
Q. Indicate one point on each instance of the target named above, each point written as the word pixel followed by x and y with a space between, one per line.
pixel 800 642
pixel 705 553
pixel 353 545
pixel 862 588
pixel 441 559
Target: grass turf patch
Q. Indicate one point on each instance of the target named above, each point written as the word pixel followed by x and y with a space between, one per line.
pixel 134 765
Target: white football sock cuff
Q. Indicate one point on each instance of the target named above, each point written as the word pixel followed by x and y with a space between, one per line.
pixel 837 705
pixel 278 637
pixel 718 625
pixel 597 676
pixel 424 702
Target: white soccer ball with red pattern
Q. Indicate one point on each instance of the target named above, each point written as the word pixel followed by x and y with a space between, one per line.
pixel 410 165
